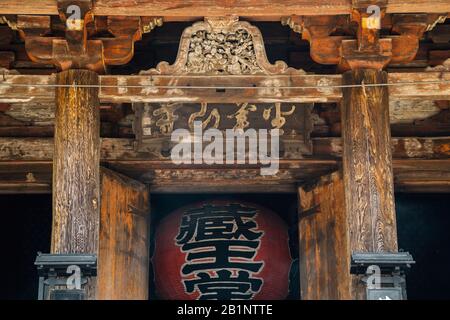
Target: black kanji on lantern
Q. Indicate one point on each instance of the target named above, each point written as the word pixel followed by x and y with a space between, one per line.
pixel 223 239
pixel 224 286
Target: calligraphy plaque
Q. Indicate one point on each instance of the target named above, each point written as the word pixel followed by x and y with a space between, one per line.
pixel 154 123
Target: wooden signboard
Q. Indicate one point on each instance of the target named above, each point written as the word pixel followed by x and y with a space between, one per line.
pixel 154 123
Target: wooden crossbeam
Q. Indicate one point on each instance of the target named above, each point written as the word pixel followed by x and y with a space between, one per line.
pixel 199 8
pixel 299 89
pixel 420 165
pixel 115 149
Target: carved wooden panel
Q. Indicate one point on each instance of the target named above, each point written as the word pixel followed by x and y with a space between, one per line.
pixel 223 46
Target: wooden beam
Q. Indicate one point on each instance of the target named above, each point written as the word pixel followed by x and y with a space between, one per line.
pixel 401 148
pixel 148 88
pixel 200 8
pixel 25 177
pixel 425 176
pixel 414 90
pixel 113 149
pixel 26 162
pixel 23 187
pixel 410 175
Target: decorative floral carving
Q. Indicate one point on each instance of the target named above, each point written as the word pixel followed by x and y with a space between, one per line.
pixel 445 66
pixel 222 53
pixel 222 46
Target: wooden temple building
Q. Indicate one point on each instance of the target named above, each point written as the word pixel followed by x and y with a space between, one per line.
pixel 91 90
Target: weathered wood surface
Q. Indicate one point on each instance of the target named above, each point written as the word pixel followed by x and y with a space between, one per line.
pixel 417 91
pixel 258 88
pixel 196 8
pixel 410 175
pixel 401 148
pixel 422 177
pixel 76 160
pixel 409 118
pixel 25 166
pixel 123 258
pixel 41 149
pixel 367 163
pixel 323 235
pixel 76 50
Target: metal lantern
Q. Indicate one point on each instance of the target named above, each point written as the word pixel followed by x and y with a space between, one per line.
pixel 383 273
pixel 62 276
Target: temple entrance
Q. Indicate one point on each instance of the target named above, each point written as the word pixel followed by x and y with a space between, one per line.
pixel 223 150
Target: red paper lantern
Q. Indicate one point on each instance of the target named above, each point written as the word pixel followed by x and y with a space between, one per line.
pixel 222 250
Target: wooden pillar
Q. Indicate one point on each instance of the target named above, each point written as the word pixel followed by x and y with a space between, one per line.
pixel 76 161
pixel 367 165
pixel 356 213
pixel 367 162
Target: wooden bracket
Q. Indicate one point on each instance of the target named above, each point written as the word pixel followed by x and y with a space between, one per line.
pixel 324 47
pixel 80 48
pixel 354 41
pixel 368 51
pixel 410 29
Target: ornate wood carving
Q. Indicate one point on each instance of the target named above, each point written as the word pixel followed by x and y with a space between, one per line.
pixel 445 66
pixel 222 46
pixel 226 48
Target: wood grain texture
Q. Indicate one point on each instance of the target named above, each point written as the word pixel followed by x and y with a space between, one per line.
pixel 323 235
pixel 76 161
pixel 199 8
pixel 121 149
pixel 141 88
pixel 420 165
pixel 367 163
pixel 411 175
pixel 123 260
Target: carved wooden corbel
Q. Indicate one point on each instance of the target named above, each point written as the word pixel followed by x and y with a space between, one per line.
pixel 410 29
pixel 360 45
pixel 324 47
pixel 80 48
